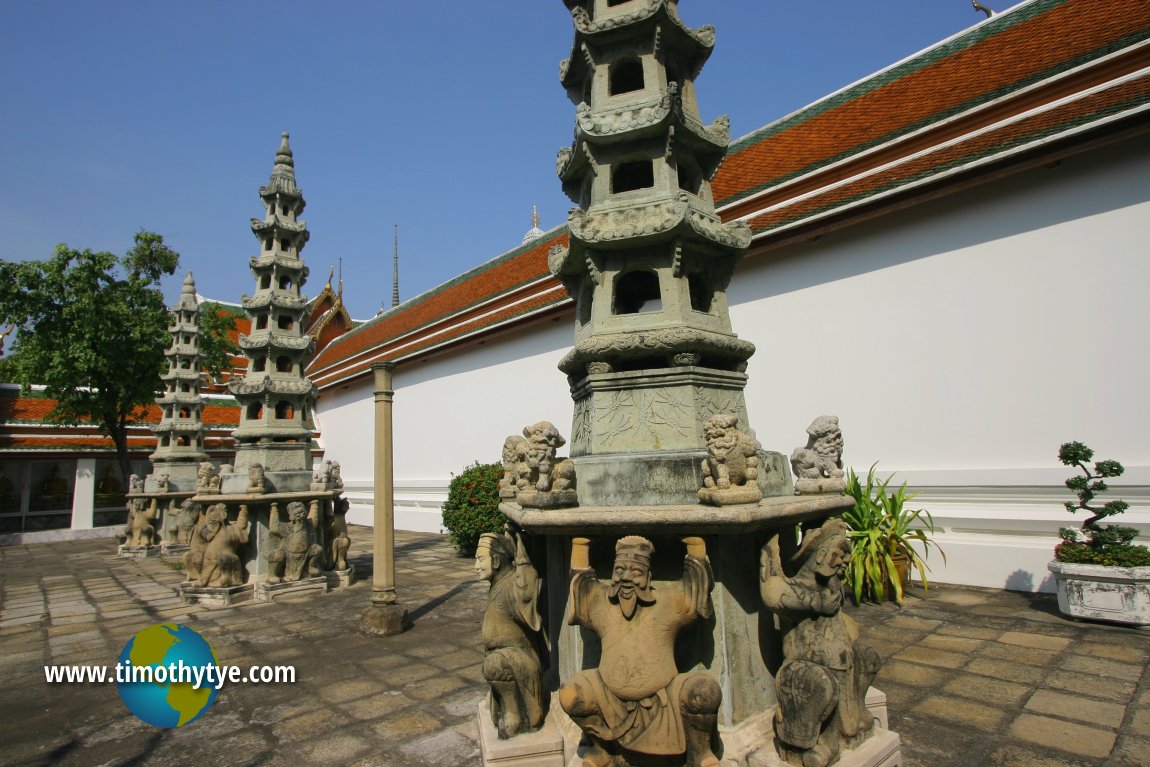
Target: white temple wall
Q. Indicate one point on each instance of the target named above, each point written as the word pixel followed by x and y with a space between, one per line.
pixel 960 342
pixel 449 412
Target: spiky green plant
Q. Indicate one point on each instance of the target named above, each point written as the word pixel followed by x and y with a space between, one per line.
pixel 881 529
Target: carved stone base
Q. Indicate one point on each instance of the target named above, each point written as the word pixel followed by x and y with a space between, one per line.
pixel 882 749
pixel 543 748
pixel 555 500
pixel 137 552
pixel 813 486
pixel 270 592
pixel 174 549
pixel 340 579
pixel 732 496
pixel 384 619
pixel 214 597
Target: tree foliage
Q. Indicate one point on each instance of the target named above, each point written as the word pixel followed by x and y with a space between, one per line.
pixel 1110 545
pixel 92 329
pixel 216 346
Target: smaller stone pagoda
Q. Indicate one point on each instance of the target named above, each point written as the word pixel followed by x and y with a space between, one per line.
pixel 157 500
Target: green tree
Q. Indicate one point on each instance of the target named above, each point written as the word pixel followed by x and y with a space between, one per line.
pixel 92 329
pixel 216 346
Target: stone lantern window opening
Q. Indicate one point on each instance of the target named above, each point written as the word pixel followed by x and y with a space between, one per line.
pixel 637 292
pixel 267 244
pixel 265 282
pixel 283 364
pixel 285 322
pixel 183 441
pixel 185 412
pixel 285 282
pixel 626 76
pixel 259 364
pixel 284 410
pixel 632 175
pixel 165 440
pixel 285 245
pixel 261 322
pixel 616 3
pixel 255 411
pixel 185 387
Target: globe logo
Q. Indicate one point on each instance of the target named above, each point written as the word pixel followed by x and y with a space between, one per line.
pixel 150 680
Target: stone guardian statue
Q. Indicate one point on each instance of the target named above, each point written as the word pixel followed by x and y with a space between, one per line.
pixel 213 560
pixel 512 634
pixel 637 700
pixel 298 555
pixel 823 680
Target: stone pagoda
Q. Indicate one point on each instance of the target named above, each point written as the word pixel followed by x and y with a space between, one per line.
pixel 685 620
pixel 281 524
pixel 179 442
pixel 276 398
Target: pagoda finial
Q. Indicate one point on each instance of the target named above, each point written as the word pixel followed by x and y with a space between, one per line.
pixel 189 289
pixel 534 232
pixel 283 173
pixel 535 216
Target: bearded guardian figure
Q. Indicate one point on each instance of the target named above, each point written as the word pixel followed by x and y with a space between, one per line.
pixel 636 700
pixel 512 634
pixel 298 555
pixel 213 560
pixel 823 681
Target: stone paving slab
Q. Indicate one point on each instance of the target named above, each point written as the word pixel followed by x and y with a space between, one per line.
pixel 972 676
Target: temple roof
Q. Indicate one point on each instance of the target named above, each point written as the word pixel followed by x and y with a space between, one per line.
pixel 1043 80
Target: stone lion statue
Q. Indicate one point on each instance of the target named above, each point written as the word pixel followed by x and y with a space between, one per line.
pixel 818 467
pixel 730 470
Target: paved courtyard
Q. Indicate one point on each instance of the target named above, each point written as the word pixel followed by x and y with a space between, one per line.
pixel 974 677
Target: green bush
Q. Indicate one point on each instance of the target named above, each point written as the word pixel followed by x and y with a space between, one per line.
pixel 1110 545
pixel 472 506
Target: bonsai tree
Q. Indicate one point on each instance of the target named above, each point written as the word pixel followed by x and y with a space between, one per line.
pixel 472 506
pixel 1110 545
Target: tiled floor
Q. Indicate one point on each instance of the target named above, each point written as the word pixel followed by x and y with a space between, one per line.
pixel 973 676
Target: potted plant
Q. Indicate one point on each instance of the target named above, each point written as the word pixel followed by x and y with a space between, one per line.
pixel 1103 575
pixel 882 533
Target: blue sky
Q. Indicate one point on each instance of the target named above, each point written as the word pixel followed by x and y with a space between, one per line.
pixel 441 117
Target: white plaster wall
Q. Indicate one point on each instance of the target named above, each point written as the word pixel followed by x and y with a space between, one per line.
pixel 449 412
pixel 960 342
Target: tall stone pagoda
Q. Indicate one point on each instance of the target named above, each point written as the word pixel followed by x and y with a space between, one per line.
pixel 685 620
pixel 649 260
pixel 276 398
pixel 280 525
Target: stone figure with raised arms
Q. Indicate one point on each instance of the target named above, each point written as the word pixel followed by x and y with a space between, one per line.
pixel 298 555
pixel 512 634
pixel 823 680
pixel 637 700
pixel 139 531
pixel 213 561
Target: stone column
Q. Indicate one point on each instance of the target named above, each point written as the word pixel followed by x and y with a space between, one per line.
pixel 84 494
pixel 385 615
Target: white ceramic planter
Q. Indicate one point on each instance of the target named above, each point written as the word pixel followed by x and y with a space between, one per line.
pixel 1098 592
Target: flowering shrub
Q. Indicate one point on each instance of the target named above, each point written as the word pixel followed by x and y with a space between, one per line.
pixel 472 506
